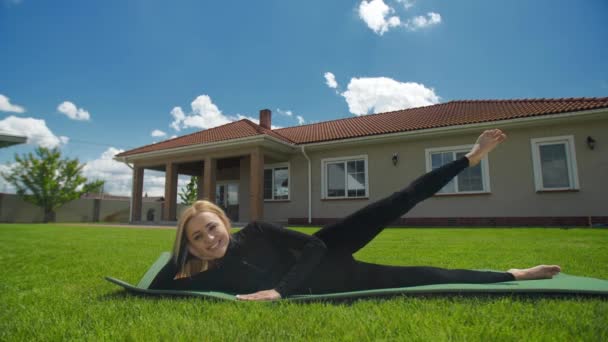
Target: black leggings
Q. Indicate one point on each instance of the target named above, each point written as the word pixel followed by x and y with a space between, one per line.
pixel 352 233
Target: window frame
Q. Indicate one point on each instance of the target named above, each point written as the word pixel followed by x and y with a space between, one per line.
pixel 485 168
pixel 345 159
pixel 568 140
pixel 273 167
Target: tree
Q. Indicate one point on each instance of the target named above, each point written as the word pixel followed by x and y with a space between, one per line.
pixel 48 181
pixel 189 194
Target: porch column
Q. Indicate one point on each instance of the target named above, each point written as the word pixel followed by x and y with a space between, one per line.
pixel 256 190
pixel 136 193
pixel 200 184
pixel 169 207
pixel 209 179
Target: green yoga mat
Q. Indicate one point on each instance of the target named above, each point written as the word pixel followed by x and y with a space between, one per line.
pixel 562 284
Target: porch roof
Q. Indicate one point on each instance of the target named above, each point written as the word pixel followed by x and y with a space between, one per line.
pixel 8 139
pixel 233 130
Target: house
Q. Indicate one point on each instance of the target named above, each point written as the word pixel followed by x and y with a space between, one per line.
pixel 552 170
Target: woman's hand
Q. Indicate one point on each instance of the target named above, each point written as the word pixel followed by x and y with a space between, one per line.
pixel 260 295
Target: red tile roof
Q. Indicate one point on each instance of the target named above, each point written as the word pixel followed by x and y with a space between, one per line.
pixel 451 113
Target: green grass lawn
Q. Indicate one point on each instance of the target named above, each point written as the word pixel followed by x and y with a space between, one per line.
pixel 52 288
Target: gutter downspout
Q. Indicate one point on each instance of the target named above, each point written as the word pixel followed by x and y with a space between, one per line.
pixel 309 187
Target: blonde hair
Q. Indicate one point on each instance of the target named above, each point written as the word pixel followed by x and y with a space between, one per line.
pixel 187 263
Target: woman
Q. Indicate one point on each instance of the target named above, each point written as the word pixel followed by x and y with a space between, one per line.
pixel 263 261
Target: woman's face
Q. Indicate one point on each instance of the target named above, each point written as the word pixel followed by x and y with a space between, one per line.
pixel 207 236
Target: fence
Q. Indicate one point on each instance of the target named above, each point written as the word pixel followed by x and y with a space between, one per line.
pixel 13 209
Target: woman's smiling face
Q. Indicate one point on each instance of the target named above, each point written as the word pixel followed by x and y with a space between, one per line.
pixel 207 236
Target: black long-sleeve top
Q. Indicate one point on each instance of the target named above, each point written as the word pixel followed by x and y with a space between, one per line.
pixel 263 256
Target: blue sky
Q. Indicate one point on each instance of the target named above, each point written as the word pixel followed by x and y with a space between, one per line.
pixel 97 77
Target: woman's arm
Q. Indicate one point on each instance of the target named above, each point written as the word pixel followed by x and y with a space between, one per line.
pixel 164 278
pixel 169 279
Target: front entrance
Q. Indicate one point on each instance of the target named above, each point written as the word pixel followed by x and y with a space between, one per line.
pixel 227 197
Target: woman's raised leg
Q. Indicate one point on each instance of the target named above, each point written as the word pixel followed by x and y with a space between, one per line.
pixel 357 229
pixel 354 231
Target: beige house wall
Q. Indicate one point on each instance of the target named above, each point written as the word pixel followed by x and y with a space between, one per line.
pixel 297 206
pixel 511 177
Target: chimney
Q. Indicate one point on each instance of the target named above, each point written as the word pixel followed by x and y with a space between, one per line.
pixel 265 118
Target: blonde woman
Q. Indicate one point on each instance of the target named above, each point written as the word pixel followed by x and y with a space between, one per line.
pixel 264 261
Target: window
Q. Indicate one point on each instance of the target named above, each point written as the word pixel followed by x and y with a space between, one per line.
pixel 554 163
pixel 471 180
pixel 276 182
pixel 344 177
pixel 226 194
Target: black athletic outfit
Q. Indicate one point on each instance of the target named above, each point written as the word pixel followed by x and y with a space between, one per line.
pixel 264 256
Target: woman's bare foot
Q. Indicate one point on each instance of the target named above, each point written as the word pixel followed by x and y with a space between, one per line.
pixel 536 272
pixel 487 141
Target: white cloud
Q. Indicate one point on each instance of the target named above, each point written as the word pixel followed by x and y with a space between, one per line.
pixel 35 130
pixel 407 4
pixel 71 111
pixel 4 185
pixel 330 80
pixel 376 13
pixel 379 16
pixel 6 106
pixel 420 22
pixel 205 114
pixel 178 117
pixel 289 113
pixel 158 133
pixel 382 94
pixel 118 177
pixel 12 2
pixel 284 112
